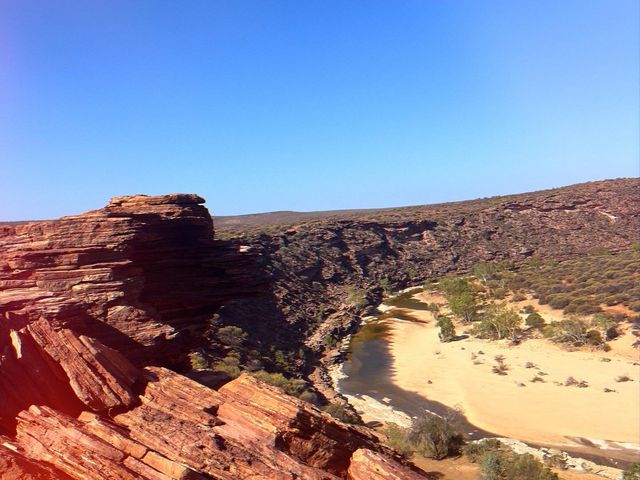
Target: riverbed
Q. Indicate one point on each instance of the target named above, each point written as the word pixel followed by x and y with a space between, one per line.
pixel 397 369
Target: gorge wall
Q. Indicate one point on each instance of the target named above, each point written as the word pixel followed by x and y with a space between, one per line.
pixel 98 312
pixel 94 307
pixel 311 266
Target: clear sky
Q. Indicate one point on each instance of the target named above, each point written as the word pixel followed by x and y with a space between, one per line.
pixel 311 105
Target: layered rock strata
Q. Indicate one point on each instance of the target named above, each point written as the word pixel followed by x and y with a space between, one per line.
pixel 91 306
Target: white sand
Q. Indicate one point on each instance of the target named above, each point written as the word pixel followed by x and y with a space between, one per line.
pixel 537 412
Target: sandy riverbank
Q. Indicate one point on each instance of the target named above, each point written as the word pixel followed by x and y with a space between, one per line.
pixel 460 374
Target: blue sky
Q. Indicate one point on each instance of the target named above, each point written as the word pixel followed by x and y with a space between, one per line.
pixel 311 105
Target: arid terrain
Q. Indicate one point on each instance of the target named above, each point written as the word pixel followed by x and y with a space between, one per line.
pixel 140 343
pixel 543 411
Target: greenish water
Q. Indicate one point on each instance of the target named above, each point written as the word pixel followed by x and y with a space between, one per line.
pixel 406 300
pixel 369 369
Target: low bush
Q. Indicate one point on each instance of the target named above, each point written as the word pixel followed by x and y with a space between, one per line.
pixel 435 437
pixel 534 320
pixel 231 336
pixel 198 361
pixel 397 439
pixel 229 365
pixel 339 412
pixel 291 386
pixel 498 465
pixel 475 450
pixel 447 329
pixel 519 297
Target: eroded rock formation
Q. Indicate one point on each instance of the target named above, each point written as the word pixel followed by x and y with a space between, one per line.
pixel 92 310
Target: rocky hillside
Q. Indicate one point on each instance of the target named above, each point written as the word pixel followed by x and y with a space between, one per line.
pixel 98 312
pixel 93 308
pixel 318 270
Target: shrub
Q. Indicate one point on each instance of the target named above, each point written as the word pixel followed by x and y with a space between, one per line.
pixel 594 338
pixel 519 297
pixel 528 309
pixel 623 378
pixel 291 386
pixel 356 297
pixel 339 412
pixel 397 439
pixel 572 331
pixel 498 322
pixel 498 465
pixel 197 361
pixel 433 308
pixel 534 320
pixel 570 381
pixel 447 329
pixel 434 437
pixel 229 365
pixel 330 341
pixel 525 467
pixel 475 450
pixel 231 336
pixel 499 293
pixel 632 473
pixel 491 466
pixel 500 369
pixel 558 301
pixel 309 397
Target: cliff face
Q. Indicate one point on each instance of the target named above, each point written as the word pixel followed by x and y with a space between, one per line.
pixel 93 307
pixel 309 266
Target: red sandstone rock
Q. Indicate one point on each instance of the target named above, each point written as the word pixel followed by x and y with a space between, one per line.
pixel 258 413
pixel 369 465
pixel 14 466
pixel 138 278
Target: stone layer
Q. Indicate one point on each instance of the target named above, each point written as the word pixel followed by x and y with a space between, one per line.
pixel 93 308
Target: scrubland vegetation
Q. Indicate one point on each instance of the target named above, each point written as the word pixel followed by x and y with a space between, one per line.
pixel 436 437
pixel 596 293
pixel 230 356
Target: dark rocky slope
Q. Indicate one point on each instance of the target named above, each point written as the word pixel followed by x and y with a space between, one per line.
pixel 309 267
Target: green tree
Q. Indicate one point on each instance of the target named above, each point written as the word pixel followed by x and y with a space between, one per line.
pixel 464 306
pixel 452 286
pixel 498 322
pixel 447 329
pixel 572 331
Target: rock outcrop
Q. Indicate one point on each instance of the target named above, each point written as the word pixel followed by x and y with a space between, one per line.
pixel 93 308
